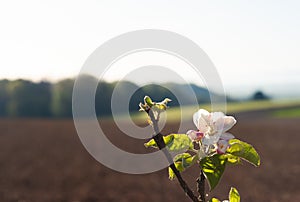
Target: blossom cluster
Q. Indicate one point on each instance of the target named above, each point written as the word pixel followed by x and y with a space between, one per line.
pixel 212 135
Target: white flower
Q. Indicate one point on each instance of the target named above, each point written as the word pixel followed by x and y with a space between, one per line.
pixel 212 125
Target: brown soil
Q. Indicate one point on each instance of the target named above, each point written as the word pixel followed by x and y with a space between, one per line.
pixel 44 160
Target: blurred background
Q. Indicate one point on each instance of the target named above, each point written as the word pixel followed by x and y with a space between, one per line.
pixel 43 45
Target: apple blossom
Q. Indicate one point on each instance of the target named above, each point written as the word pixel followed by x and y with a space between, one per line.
pixel 212 125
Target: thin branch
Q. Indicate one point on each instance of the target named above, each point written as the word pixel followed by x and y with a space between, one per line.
pixel 201 186
pixel 158 138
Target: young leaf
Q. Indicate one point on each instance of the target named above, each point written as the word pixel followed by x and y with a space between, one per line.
pixel 234 195
pixel 243 150
pixel 148 101
pixel 181 162
pixel 214 200
pixel 152 143
pixel 213 167
pixel 185 158
pixel 163 104
pixel 174 142
pixel 171 173
pixel 180 142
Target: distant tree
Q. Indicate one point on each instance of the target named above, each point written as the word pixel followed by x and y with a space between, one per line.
pixel 103 98
pixel 4 97
pixel 28 99
pixel 62 98
pixel 259 95
pixel 22 98
pixel 123 91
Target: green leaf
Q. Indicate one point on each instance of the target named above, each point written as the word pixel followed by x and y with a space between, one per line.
pixel 174 142
pixel 163 104
pixel 234 195
pixel 148 101
pixel 214 200
pixel 185 159
pixel 231 159
pixel 243 150
pixel 171 174
pixel 159 107
pixel 152 143
pixel 180 142
pixel 181 162
pixel 213 168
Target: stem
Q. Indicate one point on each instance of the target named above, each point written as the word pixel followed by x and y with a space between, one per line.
pixel 201 186
pixel 158 138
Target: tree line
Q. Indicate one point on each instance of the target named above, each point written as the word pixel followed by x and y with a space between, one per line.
pixel 24 98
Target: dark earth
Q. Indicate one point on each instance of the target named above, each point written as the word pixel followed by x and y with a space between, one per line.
pixel 44 160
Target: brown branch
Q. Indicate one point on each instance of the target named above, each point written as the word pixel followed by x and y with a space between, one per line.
pixel 158 138
pixel 201 186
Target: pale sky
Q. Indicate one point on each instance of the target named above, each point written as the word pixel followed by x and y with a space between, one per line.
pixel 250 42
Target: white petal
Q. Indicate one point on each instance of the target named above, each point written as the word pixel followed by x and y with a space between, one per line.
pixel 215 116
pixel 200 114
pixel 224 124
pixel 226 136
pixel 229 121
pixel 203 125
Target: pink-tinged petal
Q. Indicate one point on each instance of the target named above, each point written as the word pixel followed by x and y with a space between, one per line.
pixel 195 135
pixel 222 146
pixel 226 136
pixel 192 134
